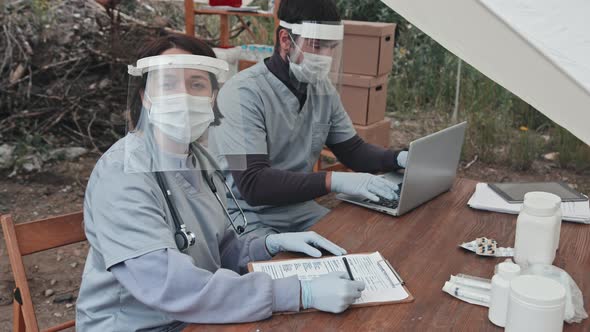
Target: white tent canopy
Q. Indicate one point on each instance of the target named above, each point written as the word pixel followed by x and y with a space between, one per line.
pixel 537 49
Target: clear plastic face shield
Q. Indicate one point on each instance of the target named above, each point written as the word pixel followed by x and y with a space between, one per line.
pixel 316 55
pixel 170 108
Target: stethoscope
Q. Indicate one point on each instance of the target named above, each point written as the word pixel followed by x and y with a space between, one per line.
pixel 183 237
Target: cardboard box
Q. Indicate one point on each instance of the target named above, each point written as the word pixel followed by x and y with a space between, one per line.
pixel 368 48
pixel 364 97
pixel 377 133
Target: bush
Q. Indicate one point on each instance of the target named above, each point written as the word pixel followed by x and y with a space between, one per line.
pixel 423 80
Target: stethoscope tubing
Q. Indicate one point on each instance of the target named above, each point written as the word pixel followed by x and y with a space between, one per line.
pixel 197 150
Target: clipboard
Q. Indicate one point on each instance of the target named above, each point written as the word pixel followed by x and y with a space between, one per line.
pixel 408 299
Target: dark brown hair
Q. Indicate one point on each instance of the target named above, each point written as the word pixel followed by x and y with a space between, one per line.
pixel 160 45
pixel 296 11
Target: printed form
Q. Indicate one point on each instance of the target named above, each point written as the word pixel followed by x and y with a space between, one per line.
pixel 382 285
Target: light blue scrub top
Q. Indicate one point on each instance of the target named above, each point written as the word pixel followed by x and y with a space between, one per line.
pixel 126 216
pixel 262 116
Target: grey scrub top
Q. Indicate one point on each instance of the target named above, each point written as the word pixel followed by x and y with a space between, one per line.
pixel 125 217
pixel 271 123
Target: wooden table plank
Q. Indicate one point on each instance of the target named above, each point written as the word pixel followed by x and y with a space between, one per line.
pixel 224 27
pixel 423 246
pixel 232 13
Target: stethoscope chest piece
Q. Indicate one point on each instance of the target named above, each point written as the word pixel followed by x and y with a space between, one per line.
pixel 240 230
pixel 184 238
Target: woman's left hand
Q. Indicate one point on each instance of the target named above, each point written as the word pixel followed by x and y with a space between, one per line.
pixel 305 242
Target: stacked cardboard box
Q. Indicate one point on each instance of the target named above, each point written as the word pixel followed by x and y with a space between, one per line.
pixel 367 61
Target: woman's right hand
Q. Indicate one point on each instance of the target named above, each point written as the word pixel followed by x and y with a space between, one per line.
pixel 332 292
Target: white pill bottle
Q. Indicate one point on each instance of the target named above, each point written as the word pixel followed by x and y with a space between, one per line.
pixel 536 304
pixel 537 229
pixel 505 272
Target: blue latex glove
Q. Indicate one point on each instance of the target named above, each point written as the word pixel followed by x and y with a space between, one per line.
pixel 305 242
pixel 402 158
pixel 363 184
pixel 332 292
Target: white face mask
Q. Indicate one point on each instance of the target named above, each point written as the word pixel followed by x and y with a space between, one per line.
pixel 182 117
pixel 313 68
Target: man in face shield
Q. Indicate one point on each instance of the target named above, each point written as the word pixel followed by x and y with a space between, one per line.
pixel 290 109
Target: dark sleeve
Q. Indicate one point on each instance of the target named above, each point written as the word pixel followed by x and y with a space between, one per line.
pixel 361 156
pixel 260 184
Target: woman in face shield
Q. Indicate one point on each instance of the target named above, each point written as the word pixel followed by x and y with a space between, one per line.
pixel 163 251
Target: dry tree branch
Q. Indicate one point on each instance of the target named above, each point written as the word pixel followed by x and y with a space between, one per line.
pixel 45 68
pixel 50 124
pixel 30 85
pixel 106 56
pixel 469 164
pixel 89 131
pixel 75 119
pixel 27 46
pixel 22 51
pixel 132 19
pixel 57 64
pixel 69 71
pixel 8 50
pixel 23 115
pixel 72 134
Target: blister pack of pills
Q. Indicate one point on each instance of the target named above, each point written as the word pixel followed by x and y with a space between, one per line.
pixel 487 247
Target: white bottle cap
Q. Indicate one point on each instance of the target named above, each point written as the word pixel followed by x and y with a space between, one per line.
pixel 508 270
pixel 541 204
pixel 537 290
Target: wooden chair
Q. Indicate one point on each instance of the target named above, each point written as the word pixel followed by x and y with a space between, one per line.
pixel 28 238
pixel 326 153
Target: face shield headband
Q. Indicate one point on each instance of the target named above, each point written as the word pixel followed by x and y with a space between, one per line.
pixel 316 50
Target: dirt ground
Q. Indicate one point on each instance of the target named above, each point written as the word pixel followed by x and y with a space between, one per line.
pixel 60 189
pixel 57 190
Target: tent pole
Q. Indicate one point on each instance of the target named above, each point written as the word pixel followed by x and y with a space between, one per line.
pixel 454 117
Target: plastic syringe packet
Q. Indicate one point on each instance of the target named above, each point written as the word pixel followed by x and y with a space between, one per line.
pixel 469 289
pixel 483 246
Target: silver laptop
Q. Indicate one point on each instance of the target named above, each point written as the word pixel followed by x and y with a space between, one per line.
pixel 430 171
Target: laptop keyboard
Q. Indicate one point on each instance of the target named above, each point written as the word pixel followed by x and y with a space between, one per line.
pixel 392 204
pixel 388 203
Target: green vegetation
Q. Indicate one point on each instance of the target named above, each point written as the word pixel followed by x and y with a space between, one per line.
pixel 423 80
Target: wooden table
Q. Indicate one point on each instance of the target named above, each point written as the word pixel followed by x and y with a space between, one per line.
pixel 189 19
pixel 423 247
